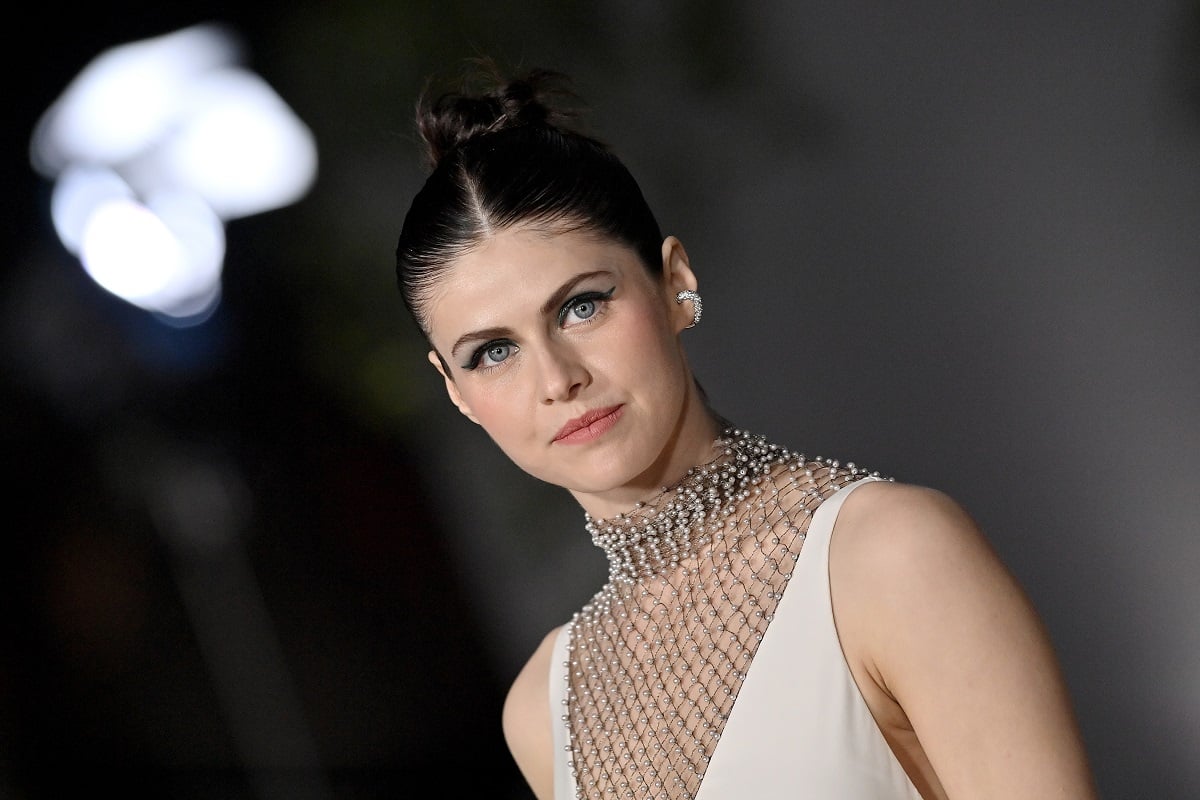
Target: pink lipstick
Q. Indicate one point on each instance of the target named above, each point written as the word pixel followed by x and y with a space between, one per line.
pixel 590 426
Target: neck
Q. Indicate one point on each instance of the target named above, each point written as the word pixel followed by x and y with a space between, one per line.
pixel 674 525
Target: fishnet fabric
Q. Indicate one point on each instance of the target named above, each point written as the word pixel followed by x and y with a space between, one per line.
pixel 656 660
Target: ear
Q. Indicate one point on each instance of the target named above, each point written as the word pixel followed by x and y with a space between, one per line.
pixel 677 275
pixel 451 387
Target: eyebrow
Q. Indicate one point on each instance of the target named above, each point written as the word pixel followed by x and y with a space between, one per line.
pixel 552 304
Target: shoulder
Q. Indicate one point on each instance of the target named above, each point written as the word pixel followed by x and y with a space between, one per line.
pixel 896 532
pixel 883 505
pixel 945 645
pixel 527 719
pixel 915 581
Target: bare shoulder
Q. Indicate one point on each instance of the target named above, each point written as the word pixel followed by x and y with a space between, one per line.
pixel 527 719
pixel 905 517
pixel 910 553
pixel 948 650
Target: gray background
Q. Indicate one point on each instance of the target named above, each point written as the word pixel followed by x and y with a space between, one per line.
pixel 954 242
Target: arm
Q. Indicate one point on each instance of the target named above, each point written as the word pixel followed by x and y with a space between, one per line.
pixel 527 720
pixel 946 646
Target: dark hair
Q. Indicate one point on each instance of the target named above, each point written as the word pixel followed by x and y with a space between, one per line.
pixel 506 156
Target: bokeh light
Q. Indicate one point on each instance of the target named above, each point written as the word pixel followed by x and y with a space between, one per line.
pixel 152 148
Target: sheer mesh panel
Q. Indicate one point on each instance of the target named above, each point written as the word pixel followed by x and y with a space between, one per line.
pixel 655 664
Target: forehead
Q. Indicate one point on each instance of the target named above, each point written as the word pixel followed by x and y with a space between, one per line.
pixel 513 272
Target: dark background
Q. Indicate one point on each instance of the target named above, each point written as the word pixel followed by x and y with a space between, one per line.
pixel 956 242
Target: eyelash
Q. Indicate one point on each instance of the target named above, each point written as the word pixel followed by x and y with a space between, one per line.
pixel 600 298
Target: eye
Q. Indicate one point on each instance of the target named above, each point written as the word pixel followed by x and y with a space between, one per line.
pixel 490 355
pixel 583 307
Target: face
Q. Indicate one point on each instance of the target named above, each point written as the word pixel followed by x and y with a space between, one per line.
pixel 566 350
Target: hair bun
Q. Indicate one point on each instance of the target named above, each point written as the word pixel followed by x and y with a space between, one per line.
pixel 488 102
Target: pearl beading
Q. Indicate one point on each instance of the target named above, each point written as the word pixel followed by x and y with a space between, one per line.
pixel 656 659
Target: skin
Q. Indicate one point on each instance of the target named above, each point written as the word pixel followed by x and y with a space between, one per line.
pixel 946 649
pixel 513 292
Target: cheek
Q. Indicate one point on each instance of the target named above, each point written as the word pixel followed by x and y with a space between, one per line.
pixel 643 322
pixel 646 352
pixel 490 408
pixel 502 409
pixel 650 336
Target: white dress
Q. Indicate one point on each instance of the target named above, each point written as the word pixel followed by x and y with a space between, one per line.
pixel 799 727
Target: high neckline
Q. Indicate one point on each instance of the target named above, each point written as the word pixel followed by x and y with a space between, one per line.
pixel 658 533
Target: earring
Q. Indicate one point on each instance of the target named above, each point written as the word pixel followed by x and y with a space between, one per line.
pixel 697 306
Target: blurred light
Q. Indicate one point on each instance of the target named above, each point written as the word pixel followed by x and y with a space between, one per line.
pixel 152 147
pixel 126 98
pixel 129 251
pixel 164 256
pixel 240 146
pixel 79 191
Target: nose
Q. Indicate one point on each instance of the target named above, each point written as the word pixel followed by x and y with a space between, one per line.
pixel 562 373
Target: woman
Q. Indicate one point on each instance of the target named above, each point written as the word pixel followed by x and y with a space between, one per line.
pixel 740 649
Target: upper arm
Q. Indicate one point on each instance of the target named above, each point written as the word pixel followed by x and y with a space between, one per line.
pixel 527 719
pixel 928 611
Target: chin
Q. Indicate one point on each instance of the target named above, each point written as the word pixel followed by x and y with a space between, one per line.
pixel 616 472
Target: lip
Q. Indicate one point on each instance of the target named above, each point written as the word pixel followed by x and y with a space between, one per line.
pixel 589 426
